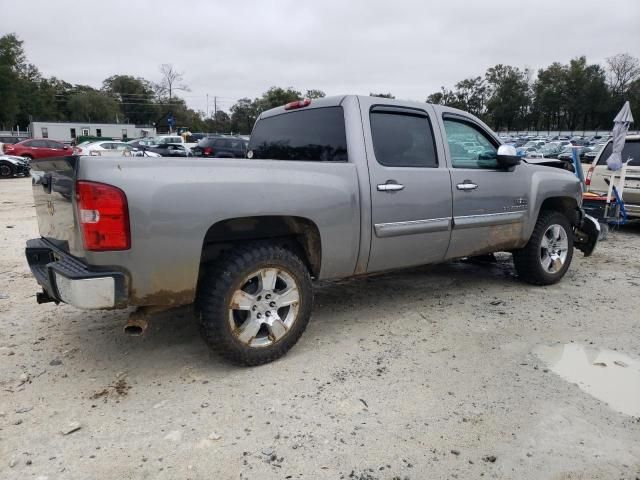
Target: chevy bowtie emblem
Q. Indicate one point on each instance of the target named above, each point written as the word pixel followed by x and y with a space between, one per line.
pixel 50 208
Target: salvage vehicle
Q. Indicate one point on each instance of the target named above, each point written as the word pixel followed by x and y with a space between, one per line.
pixel 11 166
pixel 331 188
pixel 37 148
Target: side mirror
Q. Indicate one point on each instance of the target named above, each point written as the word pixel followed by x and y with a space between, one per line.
pixel 66 147
pixel 507 156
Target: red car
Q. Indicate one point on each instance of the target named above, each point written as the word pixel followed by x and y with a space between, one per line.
pixel 37 148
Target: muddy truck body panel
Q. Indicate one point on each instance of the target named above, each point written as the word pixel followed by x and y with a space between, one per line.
pixel 387 184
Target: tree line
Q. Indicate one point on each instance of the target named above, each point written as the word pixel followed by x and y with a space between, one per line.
pixel 573 96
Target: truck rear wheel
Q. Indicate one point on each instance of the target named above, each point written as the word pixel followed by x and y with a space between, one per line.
pixel 547 256
pixel 255 303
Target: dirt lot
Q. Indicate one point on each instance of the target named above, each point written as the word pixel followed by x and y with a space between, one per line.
pixel 425 373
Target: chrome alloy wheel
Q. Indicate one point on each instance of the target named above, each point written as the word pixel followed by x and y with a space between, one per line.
pixel 264 308
pixel 554 248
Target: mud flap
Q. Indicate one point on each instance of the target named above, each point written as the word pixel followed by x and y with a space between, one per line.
pixel 586 235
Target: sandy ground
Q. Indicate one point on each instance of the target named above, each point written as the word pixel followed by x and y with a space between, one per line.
pixel 425 373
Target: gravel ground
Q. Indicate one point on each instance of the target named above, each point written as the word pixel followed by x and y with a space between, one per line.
pixel 422 373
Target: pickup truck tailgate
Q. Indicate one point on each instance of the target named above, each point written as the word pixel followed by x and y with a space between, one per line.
pixel 53 193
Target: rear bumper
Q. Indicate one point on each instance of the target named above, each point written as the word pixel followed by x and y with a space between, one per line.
pixel 67 279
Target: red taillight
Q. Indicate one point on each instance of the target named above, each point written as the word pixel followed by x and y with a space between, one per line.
pixel 587 181
pixel 298 104
pixel 104 216
pixel 77 151
pixel 207 150
pixel 7 148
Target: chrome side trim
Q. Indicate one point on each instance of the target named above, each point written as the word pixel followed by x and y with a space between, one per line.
pixel 412 227
pixel 474 221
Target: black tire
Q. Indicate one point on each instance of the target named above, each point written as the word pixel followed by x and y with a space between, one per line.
pixel 528 260
pixel 7 170
pixel 223 280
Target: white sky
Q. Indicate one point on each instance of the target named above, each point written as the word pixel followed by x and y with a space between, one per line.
pixel 238 48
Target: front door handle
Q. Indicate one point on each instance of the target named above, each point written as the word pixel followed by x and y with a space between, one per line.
pixel 466 186
pixel 390 187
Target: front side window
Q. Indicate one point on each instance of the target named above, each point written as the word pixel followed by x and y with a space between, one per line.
pixel 98 132
pixel 403 139
pixel 469 146
pixel 45 132
pixel 316 135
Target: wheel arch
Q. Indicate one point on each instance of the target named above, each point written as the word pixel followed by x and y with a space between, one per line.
pixel 299 234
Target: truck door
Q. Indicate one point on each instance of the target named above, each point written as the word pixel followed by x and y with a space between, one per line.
pixel 410 187
pixel 489 203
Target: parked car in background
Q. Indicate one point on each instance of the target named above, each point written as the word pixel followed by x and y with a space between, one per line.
pixel 598 173
pixel 170 150
pixel 221 147
pixel 590 156
pixel 10 139
pixel 567 153
pixel 140 142
pixel 95 147
pixel 11 166
pixel 37 148
pixel 550 150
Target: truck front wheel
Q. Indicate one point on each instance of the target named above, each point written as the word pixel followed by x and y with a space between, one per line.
pixel 255 303
pixel 547 256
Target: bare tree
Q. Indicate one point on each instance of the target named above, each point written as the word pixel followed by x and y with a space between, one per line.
pixel 171 81
pixel 623 70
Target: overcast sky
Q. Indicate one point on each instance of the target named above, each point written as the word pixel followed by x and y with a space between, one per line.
pixel 233 49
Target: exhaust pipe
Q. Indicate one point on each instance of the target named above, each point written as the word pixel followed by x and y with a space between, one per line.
pixel 137 323
pixel 139 319
pixel 136 327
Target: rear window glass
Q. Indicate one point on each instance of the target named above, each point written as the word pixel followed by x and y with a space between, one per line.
pixel 316 135
pixel 631 150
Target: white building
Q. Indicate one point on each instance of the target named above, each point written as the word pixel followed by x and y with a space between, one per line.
pixel 68 131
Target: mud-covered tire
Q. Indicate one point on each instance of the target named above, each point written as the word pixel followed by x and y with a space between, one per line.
pixel 530 260
pixel 224 280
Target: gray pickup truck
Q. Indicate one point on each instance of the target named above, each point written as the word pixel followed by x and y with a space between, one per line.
pixel 330 188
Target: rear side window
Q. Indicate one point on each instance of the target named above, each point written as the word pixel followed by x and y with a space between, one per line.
pixel 403 139
pixel 630 150
pixel 315 135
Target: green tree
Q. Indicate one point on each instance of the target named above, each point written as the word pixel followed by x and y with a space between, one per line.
pixel 93 106
pixel 219 122
pixel 12 63
pixel 509 96
pixel 243 116
pixel 136 96
pixel 315 94
pixel 382 95
pixel 276 97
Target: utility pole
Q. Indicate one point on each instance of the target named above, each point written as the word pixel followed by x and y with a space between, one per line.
pixel 207 105
pixel 215 107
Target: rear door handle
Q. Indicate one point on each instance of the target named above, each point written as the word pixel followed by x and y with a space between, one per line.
pixel 466 186
pixel 390 187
